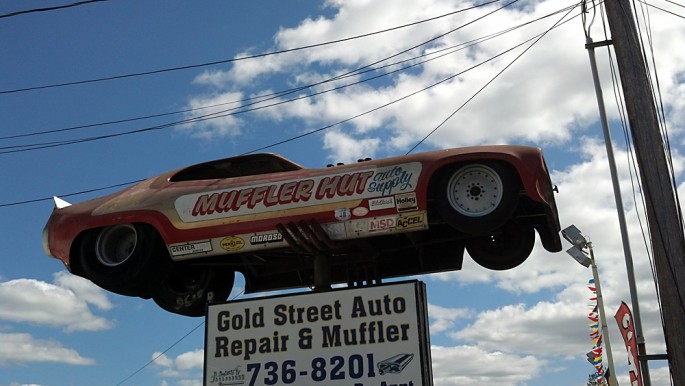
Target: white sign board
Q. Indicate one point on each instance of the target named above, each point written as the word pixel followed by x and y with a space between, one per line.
pixel 375 335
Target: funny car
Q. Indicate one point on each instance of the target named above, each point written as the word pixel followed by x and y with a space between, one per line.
pixel 180 237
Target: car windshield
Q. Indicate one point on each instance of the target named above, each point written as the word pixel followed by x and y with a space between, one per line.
pixel 247 165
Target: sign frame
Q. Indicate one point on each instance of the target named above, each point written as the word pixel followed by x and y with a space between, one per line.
pixel 355 336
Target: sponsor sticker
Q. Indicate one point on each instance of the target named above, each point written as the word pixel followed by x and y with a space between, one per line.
pixel 413 221
pixel 343 214
pixel 381 203
pixel 360 211
pixel 382 223
pixel 377 184
pixel 405 202
pixel 190 248
pixel 232 243
pixel 266 238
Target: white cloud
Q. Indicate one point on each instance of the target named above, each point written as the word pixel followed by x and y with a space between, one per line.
pixel 443 318
pixel 470 365
pixel 184 367
pixel 346 149
pixel 218 107
pixel 516 328
pixel 64 304
pixel 23 348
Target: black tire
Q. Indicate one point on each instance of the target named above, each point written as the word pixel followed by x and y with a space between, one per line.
pixel 186 288
pixel 477 198
pixel 505 249
pixel 124 258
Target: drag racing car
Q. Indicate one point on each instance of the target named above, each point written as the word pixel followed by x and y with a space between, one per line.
pixel 180 237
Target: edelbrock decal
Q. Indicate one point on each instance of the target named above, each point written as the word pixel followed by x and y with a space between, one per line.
pixel 381 203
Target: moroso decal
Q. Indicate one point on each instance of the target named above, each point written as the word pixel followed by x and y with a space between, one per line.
pixel 266 238
pixel 413 221
pixel 405 202
pixel 232 243
pixel 369 183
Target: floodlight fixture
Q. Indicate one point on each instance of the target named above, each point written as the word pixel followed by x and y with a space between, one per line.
pixel 580 256
pixel 575 237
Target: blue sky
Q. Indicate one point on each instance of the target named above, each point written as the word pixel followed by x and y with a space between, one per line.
pixel 526 326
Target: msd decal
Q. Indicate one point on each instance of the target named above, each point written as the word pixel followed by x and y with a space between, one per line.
pixel 370 183
pixel 382 224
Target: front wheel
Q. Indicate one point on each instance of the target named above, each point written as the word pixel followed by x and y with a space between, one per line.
pixel 187 289
pixel 507 248
pixel 477 198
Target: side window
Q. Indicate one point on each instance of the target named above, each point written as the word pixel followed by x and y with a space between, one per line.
pixel 235 167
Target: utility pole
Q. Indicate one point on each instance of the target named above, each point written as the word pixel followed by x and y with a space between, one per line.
pixel 668 240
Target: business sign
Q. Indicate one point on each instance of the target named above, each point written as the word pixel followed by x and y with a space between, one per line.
pixel 625 324
pixel 365 336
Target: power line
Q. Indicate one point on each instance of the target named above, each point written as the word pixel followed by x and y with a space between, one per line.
pixel 265 97
pixel 539 37
pixel 233 60
pixel 69 194
pixel 569 9
pixel 50 8
pixel 242 109
pixel 22 148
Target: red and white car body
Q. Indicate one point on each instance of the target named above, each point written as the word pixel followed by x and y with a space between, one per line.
pixel 267 217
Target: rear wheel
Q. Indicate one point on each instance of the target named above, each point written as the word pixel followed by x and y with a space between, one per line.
pixel 186 289
pixel 477 198
pixel 505 249
pixel 122 258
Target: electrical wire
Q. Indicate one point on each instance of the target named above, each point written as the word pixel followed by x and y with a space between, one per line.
pixel 662 9
pixel 242 58
pixel 241 109
pixel 49 8
pixel 161 353
pixel 570 8
pixel 539 37
pixel 154 359
pixel 266 97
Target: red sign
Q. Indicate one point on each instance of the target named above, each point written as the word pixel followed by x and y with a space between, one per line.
pixel 625 325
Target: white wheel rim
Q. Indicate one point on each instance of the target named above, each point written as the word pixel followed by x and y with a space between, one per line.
pixel 116 244
pixel 475 190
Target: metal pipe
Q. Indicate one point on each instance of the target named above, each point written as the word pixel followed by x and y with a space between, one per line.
pixel 639 337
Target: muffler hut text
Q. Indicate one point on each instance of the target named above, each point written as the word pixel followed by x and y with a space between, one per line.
pixel 367 322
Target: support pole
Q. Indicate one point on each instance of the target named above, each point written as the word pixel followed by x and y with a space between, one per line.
pixel 637 321
pixel 665 226
pixel 322 272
